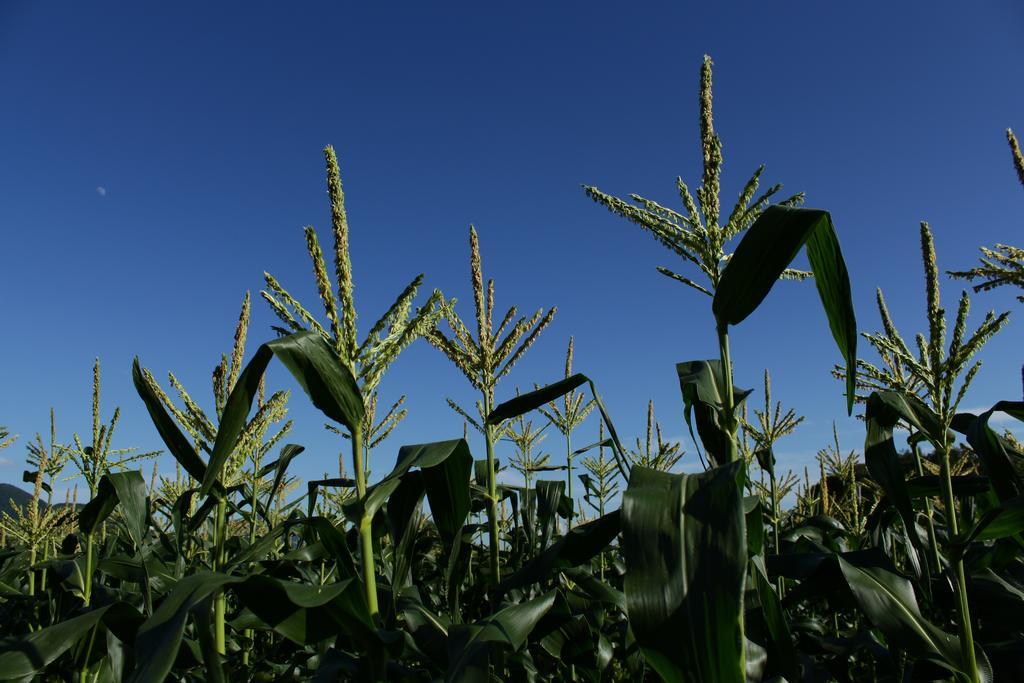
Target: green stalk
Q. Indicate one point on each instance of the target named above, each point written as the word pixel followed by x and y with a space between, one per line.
pixel 568 462
pixel 600 507
pixel 365 524
pixel 220 601
pixel 83 675
pixel 775 522
pixel 731 426
pixel 932 538
pixel 31 571
pixel 89 560
pixel 492 497
pixel 250 633
pixel 728 410
pixel 963 609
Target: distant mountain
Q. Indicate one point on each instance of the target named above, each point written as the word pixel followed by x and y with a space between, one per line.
pixel 9 492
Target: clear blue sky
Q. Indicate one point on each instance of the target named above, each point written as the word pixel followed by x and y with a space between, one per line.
pixel 203 123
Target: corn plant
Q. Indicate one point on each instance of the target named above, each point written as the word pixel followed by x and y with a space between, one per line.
pixel 566 419
pixel 944 375
pixel 599 483
pixel 700 237
pixel 680 577
pixel 98 459
pixel 6 438
pixel 484 361
pixel 368 360
pixel 736 283
pixel 844 467
pixel 772 425
pixel 244 465
pixel 654 452
pixel 1004 265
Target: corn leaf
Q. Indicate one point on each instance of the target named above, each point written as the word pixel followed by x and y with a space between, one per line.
pixel 685 547
pixel 767 249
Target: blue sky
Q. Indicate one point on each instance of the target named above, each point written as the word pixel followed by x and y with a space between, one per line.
pixel 203 125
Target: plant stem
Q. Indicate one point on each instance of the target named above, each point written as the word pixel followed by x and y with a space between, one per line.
pixel 250 633
pixel 568 462
pixel 731 427
pixel 932 538
pixel 220 601
pixel 492 497
pixel 728 409
pixel 963 609
pixel 365 524
pixel 31 572
pixel 88 568
pixel 775 521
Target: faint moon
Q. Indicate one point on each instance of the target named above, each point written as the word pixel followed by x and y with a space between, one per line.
pixel 101 191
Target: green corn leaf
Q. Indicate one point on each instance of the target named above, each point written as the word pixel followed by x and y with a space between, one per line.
pixel 279 467
pixel 445 468
pixel 767 249
pixel 176 442
pixel 753 512
pixel 235 415
pixel 884 410
pixel 931 486
pixel 888 601
pixel 23 656
pixel 520 405
pixel 551 502
pixel 685 545
pixel 1000 522
pixel 470 645
pixel 302 613
pixel 126 488
pixel 781 653
pixel 703 388
pixel 580 545
pixel 326 380
pixel 30 478
pixel 997 457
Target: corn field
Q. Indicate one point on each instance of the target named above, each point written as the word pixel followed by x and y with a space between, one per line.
pixel 901 559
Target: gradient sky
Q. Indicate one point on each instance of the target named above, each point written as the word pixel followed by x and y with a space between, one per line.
pixel 156 158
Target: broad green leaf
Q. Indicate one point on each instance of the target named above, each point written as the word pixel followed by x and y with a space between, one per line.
pixel 302 613
pixel 126 488
pixel 523 404
pixel 685 546
pixel 326 380
pixel 884 410
pixel 549 496
pixel 445 468
pixel 1000 522
pixel 176 442
pixel 703 388
pixel 428 630
pixel 888 600
pixel 520 405
pixel 931 486
pixel 997 456
pixel 753 512
pixel 781 653
pixel 305 613
pixel 767 249
pixel 235 416
pixel 25 655
pixel 580 545
pixel 469 645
